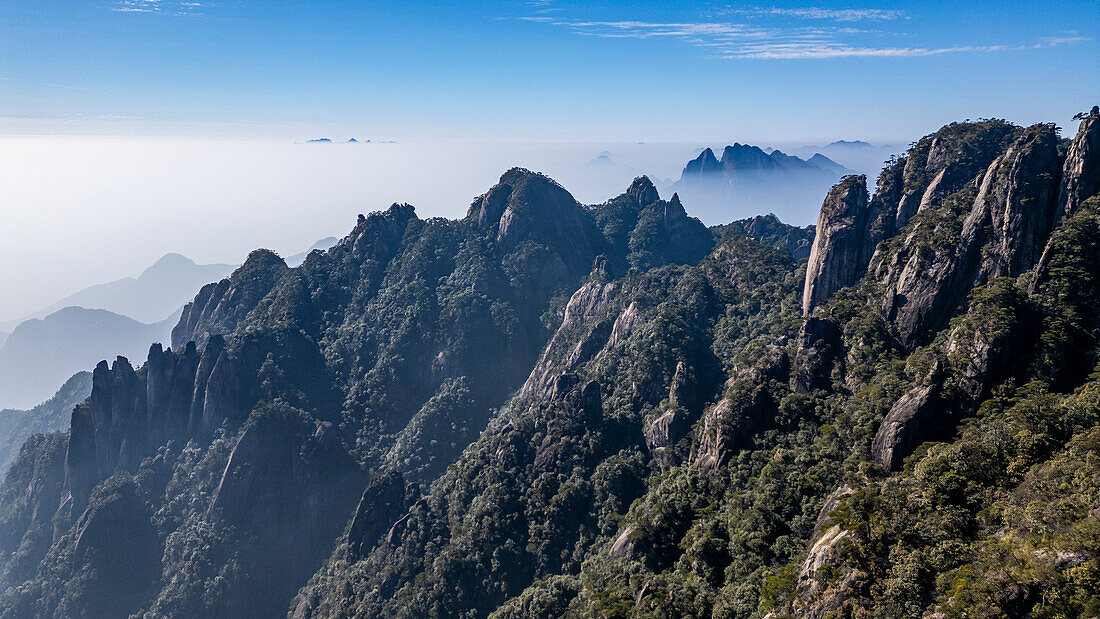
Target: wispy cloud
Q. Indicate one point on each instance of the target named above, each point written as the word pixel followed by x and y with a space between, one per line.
pixel 822 14
pixel 810 51
pixel 779 39
pixel 1066 40
pixel 170 7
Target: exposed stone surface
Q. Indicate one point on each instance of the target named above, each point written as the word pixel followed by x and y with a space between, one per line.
pixel 996 226
pixel 220 307
pixel 385 499
pixel 290 485
pixel 625 545
pixel 675 422
pixel 175 396
pixel 837 259
pixel 114 553
pixel 644 231
pixel 905 425
pixel 1081 172
pixel 748 400
pixel 941 164
pixel 586 312
pixel 525 206
pixel 977 355
pixel 1017 201
pixel 817 346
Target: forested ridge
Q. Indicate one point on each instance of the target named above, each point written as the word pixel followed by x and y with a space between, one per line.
pixel 552 409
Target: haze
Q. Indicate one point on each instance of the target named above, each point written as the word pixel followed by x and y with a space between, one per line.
pixel 459 86
pixel 88 209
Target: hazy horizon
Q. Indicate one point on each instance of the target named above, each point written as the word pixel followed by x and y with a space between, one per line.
pixel 91 192
pixel 97 209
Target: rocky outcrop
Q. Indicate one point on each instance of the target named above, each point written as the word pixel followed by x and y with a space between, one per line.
pixel 976 355
pixel 288 486
pixel 769 230
pixel 627 545
pixel 927 276
pixel 817 348
pixel 176 395
pixel 665 234
pixel 584 331
pixel 643 231
pixel 882 215
pixel 385 499
pixel 851 229
pixel 747 401
pixel 1017 202
pixel 642 192
pixel 906 426
pixel 220 307
pixel 674 423
pixel 115 553
pixel 525 206
pixel 823 545
pixel 943 163
pixel 1081 172
pixel 836 259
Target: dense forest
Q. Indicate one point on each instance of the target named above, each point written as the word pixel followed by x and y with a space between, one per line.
pixel 550 409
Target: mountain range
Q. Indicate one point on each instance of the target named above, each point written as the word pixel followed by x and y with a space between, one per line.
pixel 101 321
pixel 41 353
pixel 548 409
pixel 53 415
pixel 747 181
pixel 160 290
pixel 300 257
pixel 863 157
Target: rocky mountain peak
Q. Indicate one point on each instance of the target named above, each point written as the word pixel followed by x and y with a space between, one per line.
pixel 943 163
pixel 837 257
pixel 702 165
pixel 520 190
pixel 528 206
pixel 1081 172
pixel 745 156
pixel 643 192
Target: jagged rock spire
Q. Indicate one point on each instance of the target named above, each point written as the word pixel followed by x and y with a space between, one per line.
pixel 1081 172
pixel 836 259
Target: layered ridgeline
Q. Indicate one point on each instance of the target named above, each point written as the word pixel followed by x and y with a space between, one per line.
pixel 747 180
pixel 215 478
pixel 41 354
pixel 750 436
pixel 546 409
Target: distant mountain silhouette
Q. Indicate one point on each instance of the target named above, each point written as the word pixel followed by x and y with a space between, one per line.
pixel 51 416
pixel 300 257
pixel 863 157
pixel 748 180
pixel 3 337
pixel 41 353
pixel 160 290
pixel 849 144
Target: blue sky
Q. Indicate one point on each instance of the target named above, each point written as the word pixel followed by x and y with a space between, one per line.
pixel 541 70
